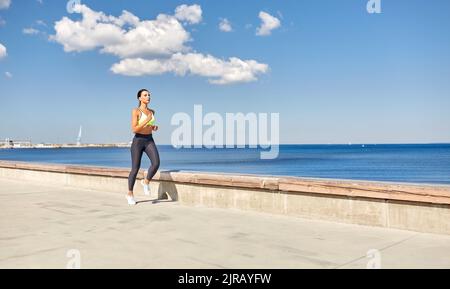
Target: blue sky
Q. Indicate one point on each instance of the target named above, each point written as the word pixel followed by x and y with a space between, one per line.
pixel 335 73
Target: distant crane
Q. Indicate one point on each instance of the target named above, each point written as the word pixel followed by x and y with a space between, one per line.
pixel 79 137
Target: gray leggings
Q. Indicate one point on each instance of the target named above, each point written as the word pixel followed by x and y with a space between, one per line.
pixel 142 143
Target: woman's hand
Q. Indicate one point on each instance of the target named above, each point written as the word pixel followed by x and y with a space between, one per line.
pixel 155 127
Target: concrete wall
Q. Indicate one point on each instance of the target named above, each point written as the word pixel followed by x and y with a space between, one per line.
pixel 422 208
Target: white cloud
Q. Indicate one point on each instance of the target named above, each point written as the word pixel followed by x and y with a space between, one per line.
pixel 30 31
pixel 8 74
pixel 148 47
pixel 41 22
pixel 225 25
pixel 192 14
pixel 2 51
pixel 124 36
pixel 4 4
pixel 219 71
pixel 34 31
pixel 268 24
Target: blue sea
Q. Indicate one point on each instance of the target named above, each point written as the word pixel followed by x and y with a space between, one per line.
pixel 412 163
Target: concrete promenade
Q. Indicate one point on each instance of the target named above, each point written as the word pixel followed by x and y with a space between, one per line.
pixel 40 224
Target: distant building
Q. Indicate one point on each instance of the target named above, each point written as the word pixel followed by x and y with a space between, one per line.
pixel 9 143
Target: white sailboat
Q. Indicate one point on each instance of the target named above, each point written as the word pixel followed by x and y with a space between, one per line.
pixel 79 137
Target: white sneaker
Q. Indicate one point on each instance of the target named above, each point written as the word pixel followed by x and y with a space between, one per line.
pixel 146 188
pixel 130 200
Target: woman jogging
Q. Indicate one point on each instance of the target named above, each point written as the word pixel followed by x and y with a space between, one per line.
pixel 142 124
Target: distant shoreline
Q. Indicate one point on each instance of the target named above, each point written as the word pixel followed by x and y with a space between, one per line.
pixel 125 145
pixel 57 146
